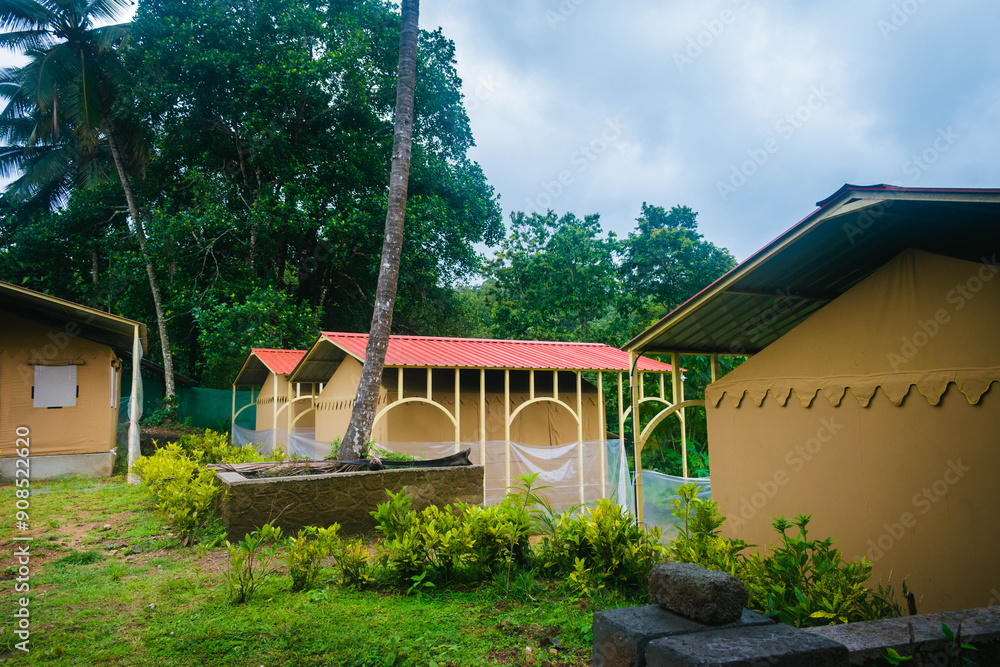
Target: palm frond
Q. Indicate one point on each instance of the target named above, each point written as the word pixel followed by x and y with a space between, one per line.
pixel 24 14
pixel 108 37
pixel 108 10
pixel 21 41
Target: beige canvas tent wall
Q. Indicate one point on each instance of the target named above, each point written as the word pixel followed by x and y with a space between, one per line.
pixel 870 399
pixel 879 416
pixel 523 405
pixel 59 383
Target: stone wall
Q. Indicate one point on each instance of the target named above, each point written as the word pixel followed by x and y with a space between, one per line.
pixel 344 498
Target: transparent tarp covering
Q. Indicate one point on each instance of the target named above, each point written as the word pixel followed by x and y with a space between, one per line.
pixel 303 443
pixel 659 491
pixel 573 472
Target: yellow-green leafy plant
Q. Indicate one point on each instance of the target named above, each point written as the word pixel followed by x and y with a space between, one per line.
pixel 250 561
pixel 601 546
pixel 351 558
pixel 184 493
pixel 214 447
pixel 304 554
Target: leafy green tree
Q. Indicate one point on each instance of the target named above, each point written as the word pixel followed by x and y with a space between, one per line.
pixel 266 317
pixel 665 261
pixel 287 106
pixel 553 279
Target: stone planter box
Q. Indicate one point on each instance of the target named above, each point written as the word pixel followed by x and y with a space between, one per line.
pixel 344 498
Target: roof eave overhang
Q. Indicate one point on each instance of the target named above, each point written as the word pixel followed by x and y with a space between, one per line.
pixel 848 200
pixel 73 318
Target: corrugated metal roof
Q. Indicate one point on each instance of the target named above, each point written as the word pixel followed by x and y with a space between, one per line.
pixel 261 362
pixel 281 362
pixel 852 233
pixel 429 351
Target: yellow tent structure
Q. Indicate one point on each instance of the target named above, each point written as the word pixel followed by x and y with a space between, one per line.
pixel 869 399
pixel 520 406
pixel 282 407
pixel 60 380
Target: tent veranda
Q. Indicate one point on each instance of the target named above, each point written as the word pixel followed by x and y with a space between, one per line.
pixel 520 406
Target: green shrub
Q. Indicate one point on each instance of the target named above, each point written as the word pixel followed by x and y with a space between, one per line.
pixel 351 557
pixel 214 447
pixel 388 455
pixel 440 542
pixel 184 493
pixel 250 560
pixel 602 546
pixel 807 582
pixel 305 552
pixel 801 582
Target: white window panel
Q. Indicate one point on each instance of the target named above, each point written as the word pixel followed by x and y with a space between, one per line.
pixel 55 387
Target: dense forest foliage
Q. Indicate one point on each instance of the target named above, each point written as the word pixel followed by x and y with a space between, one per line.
pixel 256 138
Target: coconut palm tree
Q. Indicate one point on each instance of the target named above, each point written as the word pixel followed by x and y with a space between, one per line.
pixel 64 117
pixel 363 413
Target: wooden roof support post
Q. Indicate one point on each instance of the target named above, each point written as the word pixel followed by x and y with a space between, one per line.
pixel 602 434
pixel 714 366
pixel 274 415
pixel 506 424
pixel 293 393
pixel 458 412
pixel 134 408
pixel 482 416
pixel 622 458
pixel 579 429
pixel 678 397
pixel 634 377
pixel 232 421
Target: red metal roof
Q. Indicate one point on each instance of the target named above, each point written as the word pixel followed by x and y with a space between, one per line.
pixel 424 351
pixel 280 362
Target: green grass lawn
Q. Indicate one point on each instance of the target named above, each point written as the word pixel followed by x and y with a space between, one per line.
pixel 111 586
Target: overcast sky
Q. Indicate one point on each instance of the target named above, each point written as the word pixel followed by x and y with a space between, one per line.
pixel 747 111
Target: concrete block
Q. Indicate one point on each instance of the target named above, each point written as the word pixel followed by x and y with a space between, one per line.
pixel 95 465
pixel 621 635
pixel 771 645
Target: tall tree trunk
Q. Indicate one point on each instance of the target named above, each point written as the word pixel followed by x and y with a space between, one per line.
pixel 363 414
pixel 169 399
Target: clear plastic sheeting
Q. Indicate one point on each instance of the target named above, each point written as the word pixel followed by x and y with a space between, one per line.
pixel 303 443
pixel 265 441
pixel 572 472
pixel 619 480
pixel 659 492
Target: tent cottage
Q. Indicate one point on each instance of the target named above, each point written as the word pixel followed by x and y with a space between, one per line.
pixel 59 384
pixel 282 407
pixel 521 406
pixel 871 399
